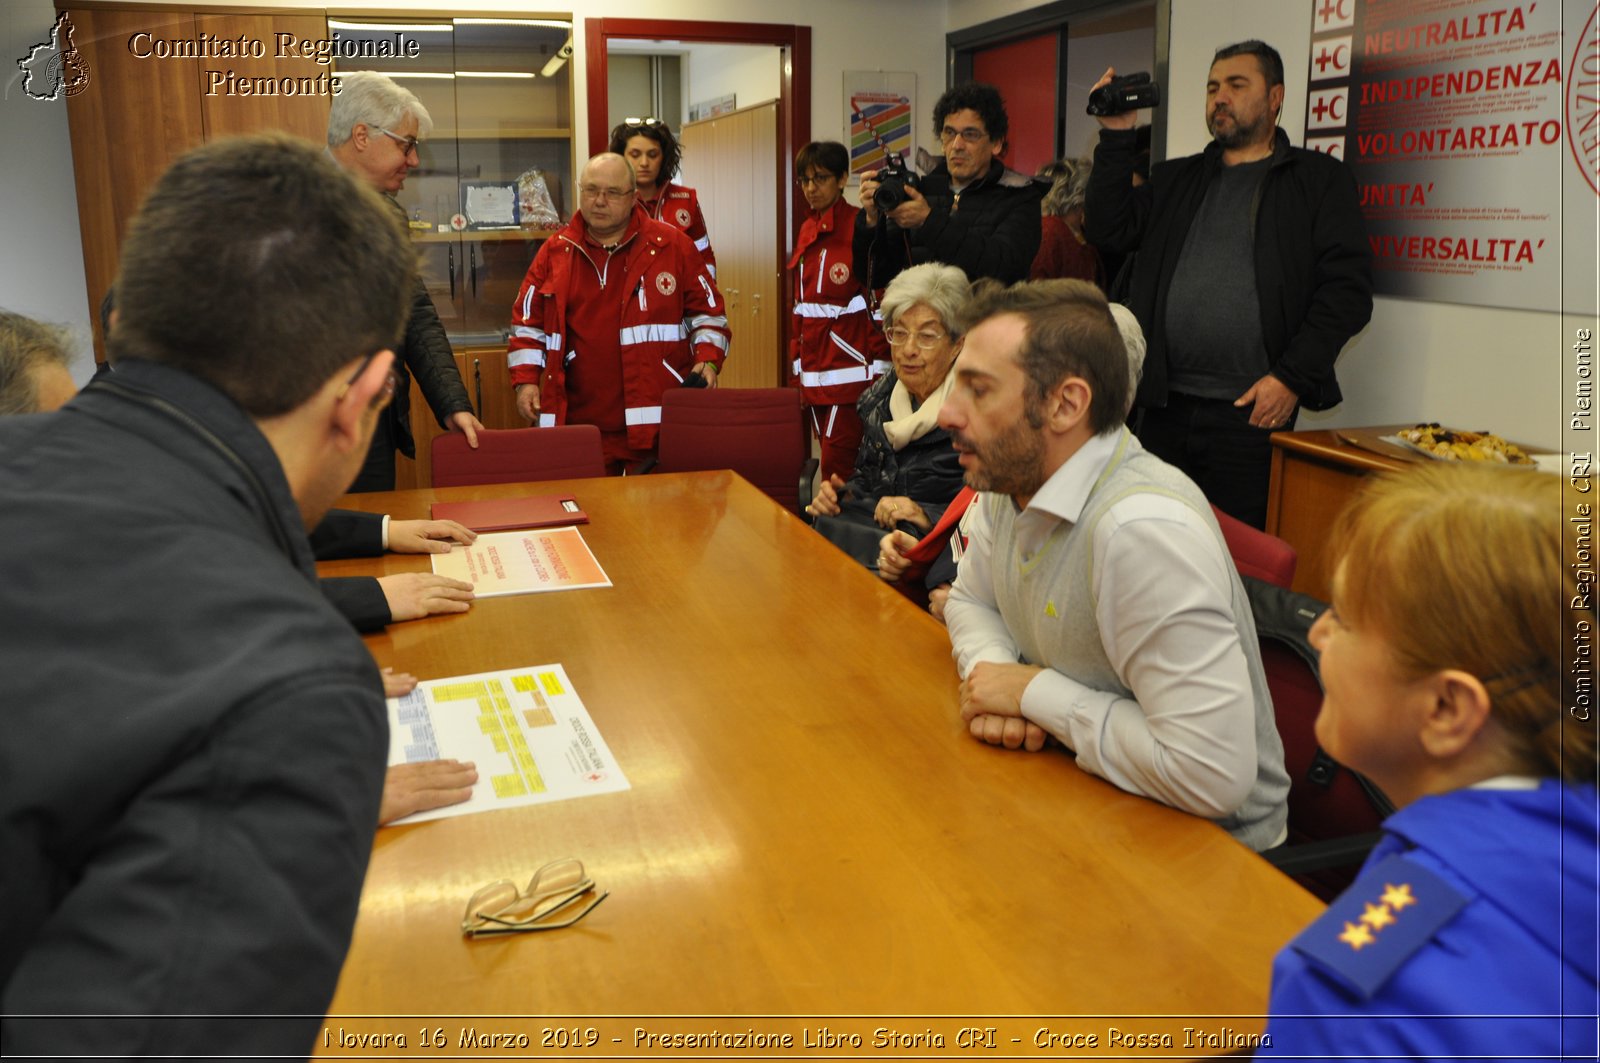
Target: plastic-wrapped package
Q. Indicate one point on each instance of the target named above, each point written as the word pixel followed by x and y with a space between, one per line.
pixel 534 206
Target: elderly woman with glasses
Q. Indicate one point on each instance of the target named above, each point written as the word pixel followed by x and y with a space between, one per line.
pixel 654 154
pixel 906 470
pixel 1456 662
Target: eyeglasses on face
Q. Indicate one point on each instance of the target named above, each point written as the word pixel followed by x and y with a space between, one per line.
pixel 557 896
pixel 924 341
pixel 407 144
pixel 818 178
pixel 384 395
pixel 599 192
pixel 971 134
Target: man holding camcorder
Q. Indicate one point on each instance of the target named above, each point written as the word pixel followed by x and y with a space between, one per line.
pixel 1249 224
pixel 971 211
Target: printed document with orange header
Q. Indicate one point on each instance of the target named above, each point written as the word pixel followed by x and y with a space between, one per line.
pixel 523 562
pixel 526 729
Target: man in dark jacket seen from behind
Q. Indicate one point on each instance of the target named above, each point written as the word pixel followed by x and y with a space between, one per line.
pixel 193 742
pixel 1250 222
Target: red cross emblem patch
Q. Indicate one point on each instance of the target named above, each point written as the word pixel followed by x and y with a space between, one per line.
pixel 666 283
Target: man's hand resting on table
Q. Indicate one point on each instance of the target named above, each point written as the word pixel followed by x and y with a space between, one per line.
pixel 428 536
pixel 425 785
pixel 414 595
pixel 991 703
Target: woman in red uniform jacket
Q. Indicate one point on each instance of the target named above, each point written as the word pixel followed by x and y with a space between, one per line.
pixel 654 153
pixel 835 341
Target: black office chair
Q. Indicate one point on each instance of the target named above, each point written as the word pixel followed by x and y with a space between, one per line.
pixel 1335 814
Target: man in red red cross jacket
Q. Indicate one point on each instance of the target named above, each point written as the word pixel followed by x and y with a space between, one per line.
pixel 616 309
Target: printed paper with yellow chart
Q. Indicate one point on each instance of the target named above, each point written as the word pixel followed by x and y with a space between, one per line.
pixel 526 729
pixel 523 562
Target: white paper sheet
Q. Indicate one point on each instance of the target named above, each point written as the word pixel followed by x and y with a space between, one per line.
pixel 527 730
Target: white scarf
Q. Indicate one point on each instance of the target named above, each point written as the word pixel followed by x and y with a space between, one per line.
pixel 909 423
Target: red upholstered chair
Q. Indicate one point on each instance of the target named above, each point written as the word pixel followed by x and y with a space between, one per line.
pixel 517 455
pixel 759 433
pixel 1255 553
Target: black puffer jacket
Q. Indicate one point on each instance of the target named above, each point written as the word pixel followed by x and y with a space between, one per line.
pixel 426 354
pixel 994 232
pixel 927 471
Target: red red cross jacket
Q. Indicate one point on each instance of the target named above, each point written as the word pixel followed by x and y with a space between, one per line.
pixel 679 207
pixel 672 319
pixel 837 345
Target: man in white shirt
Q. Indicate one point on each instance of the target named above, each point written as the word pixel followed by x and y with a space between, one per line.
pixel 1096 602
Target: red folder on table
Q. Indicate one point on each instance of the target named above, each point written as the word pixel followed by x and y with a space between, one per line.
pixel 504 514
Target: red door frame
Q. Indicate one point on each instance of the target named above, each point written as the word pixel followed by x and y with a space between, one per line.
pixel 794 105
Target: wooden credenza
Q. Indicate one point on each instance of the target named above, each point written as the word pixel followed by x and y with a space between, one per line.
pixel 1314 475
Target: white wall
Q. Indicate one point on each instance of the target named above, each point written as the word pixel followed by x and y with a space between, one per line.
pixel 41 274
pixel 1464 366
pixel 750 73
pixel 1087 58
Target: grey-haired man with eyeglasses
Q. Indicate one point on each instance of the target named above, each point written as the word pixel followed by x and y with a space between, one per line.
pixel 373 130
pixel 971 211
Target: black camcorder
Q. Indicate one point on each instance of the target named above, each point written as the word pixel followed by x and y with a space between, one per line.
pixel 1130 92
pixel 893 180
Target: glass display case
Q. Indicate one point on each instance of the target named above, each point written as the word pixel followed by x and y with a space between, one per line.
pixel 496 171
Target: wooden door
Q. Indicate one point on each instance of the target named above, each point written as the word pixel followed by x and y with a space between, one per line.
pixel 1026 73
pixel 735 165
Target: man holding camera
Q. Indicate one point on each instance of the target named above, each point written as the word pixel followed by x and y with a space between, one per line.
pixel 971 211
pixel 1249 222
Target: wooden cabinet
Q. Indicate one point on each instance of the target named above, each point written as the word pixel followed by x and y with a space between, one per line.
pixel 1314 476
pixel 501 108
pixel 141 110
pixel 738 196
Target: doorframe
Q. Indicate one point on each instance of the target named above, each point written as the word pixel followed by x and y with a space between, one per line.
pixel 794 105
pixel 1054 17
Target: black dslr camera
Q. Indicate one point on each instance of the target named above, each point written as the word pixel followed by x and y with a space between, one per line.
pixel 1121 95
pixel 893 180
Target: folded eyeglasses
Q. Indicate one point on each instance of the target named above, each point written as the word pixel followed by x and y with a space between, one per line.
pixel 558 895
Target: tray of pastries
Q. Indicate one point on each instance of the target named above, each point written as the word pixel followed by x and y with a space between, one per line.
pixel 1452 444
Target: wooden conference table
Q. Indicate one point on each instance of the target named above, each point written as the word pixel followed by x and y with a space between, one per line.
pixel 810 831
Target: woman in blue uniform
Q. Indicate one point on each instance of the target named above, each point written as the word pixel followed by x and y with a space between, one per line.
pixel 1458 665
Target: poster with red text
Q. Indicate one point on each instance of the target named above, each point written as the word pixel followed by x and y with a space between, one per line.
pixel 1473 139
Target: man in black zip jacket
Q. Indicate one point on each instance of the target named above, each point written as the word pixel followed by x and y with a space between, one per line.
pixel 373 129
pixel 1248 223
pixel 971 211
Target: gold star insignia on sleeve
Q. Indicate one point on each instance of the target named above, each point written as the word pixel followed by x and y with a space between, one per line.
pixel 1356 936
pixel 1377 916
pixel 1398 897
